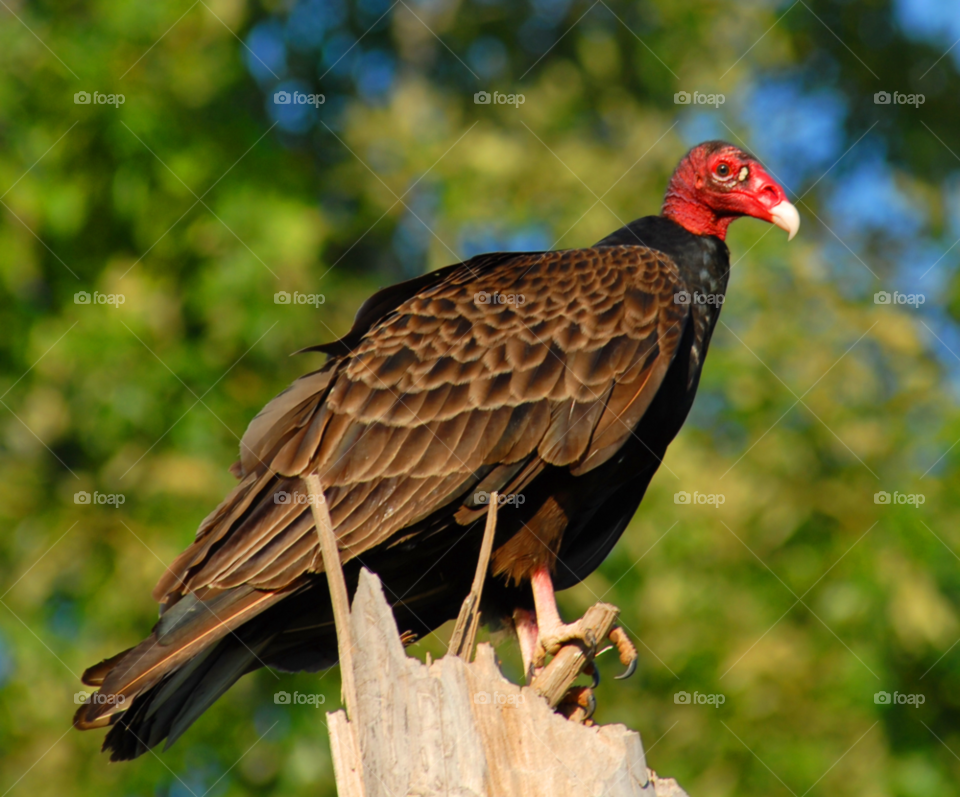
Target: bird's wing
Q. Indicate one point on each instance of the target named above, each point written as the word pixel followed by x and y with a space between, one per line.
pixel 536 359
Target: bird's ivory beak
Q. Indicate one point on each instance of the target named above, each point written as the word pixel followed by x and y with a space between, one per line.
pixel 786 217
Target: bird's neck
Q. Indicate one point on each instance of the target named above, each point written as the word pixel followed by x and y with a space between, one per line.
pixel 682 206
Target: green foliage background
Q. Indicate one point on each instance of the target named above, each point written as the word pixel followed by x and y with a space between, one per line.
pixel 798 599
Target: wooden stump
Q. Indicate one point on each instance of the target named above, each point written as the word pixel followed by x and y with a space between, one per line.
pixel 464 730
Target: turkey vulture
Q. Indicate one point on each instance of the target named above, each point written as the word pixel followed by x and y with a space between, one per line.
pixel 556 378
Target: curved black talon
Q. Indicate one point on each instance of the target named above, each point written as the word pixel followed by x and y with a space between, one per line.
pixel 631 669
pixel 594 672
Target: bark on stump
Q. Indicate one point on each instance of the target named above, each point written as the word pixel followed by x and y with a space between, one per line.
pixel 460 729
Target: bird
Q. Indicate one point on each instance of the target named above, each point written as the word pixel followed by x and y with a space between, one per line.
pixel 556 379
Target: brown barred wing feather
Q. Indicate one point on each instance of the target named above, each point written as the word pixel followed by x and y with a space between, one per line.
pixel 554 356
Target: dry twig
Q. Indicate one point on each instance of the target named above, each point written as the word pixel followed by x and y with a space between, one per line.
pixel 465 631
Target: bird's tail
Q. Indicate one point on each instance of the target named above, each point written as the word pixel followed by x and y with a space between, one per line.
pixel 157 689
pixel 200 647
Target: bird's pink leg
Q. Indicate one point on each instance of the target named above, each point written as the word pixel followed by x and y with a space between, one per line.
pixel 553 631
pixel 528 633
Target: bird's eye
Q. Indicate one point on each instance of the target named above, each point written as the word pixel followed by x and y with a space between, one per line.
pixel 723 170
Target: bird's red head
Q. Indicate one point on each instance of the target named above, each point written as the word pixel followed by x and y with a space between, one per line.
pixel 716 183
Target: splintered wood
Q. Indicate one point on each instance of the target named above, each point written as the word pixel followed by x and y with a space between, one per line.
pixel 458 728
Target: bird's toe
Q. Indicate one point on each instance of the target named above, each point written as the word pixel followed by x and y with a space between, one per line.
pixel 578 704
pixel 552 639
pixel 626 649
